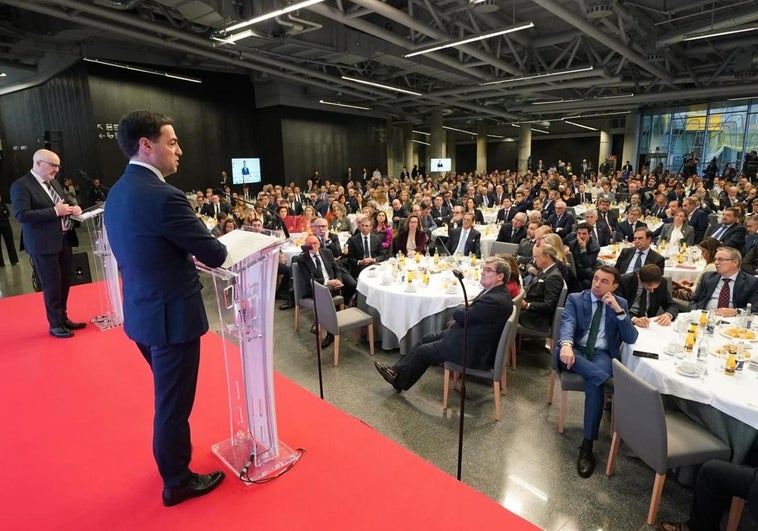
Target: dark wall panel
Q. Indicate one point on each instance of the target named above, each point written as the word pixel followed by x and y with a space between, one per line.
pixel 502 156
pixel 572 150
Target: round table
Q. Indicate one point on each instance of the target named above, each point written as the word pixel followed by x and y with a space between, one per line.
pixel 688 270
pixel 488 236
pixel 489 214
pixel 402 317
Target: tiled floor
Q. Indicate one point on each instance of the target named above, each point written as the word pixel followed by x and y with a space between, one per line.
pixel 521 461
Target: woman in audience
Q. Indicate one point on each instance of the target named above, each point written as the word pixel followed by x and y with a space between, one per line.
pixel 331 214
pixel 678 231
pixel 564 262
pixel 684 289
pixel 229 225
pixel 411 238
pixel 514 284
pixel 309 213
pixel 383 229
pixel 339 222
pixel 470 206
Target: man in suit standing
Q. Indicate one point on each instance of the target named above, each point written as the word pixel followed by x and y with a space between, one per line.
pixel 696 217
pixel 515 231
pixel 487 314
pixel 542 294
pixel 594 324
pixel 727 288
pixel 730 233
pixel 625 229
pixel 561 221
pixel 364 248
pixel 154 234
pixel 647 293
pixel 631 259
pixel 466 239
pixel 44 211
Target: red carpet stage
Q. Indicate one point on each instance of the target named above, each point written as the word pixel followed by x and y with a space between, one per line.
pixel 76 421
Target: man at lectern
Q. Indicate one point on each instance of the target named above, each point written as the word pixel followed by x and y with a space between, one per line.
pixel 154 234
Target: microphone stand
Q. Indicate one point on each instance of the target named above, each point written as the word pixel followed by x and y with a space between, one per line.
pixel 459 275
pixel 318 339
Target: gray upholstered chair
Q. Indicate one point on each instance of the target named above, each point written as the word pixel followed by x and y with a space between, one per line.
pixel 504 248
pixel 662 440
pixel 336 322
pixel 496 373
pixel 299 289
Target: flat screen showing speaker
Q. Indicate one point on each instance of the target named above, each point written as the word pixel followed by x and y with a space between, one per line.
pixel 441 165
pixel 246 170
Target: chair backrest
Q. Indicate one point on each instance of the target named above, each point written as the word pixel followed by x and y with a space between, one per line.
pixel 327 314
pixel 640 420
pixel 563 295
pixel 504 248
pixel 297 280
pixel 507 337
pixel 557 316
pixel 517 303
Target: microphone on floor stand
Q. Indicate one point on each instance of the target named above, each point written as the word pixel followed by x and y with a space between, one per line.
pixel 318 331
pixel 459 275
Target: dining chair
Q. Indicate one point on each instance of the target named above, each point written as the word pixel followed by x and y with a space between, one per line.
pixel 524 331
pixel 495 374
pixel 735 513
pixel 662 440
pixel 503 248
pixel 335 322
pixel 298 285
pixel 511 356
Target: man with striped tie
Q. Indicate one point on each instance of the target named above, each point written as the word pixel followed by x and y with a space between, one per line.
pixel 44 211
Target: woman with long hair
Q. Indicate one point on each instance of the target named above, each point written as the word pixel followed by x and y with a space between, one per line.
pixel 412 237
pixel 684 289
pixel 382 228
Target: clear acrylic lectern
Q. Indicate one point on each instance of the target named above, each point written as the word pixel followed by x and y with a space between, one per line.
pixel 244 287
pixel 105 274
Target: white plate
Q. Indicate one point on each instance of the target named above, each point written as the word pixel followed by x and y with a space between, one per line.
pixel 695 374
pixel 670 352
pixel 737 338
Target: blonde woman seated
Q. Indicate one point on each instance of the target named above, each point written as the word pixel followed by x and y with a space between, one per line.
pixel 412 237
pixel 339 222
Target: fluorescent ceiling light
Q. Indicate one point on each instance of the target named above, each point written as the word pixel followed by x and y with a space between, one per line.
pixel 708 35
pixel 3 74
pixel 540 131
pixel 537 76
pixel 596 115
pixel 730 99
pixel 615 97
pixel 421 132
pixel 232 39
pixel 420 142
pixel 144 70
pixel 458 130
pixel 380 85
pixel 344 105
pixel 272 14
pixel 533 128
pixel 580 125
pixel 467 40
pixel 554 101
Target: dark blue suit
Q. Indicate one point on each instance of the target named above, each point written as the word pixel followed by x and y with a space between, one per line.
pixel 43 238
pixel 154 233
pixel 575 322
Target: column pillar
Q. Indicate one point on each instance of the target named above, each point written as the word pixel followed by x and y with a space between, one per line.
pixel 438 137
pixel 450 148
pixel 632 139
pixel 524 147
pixel 481 148
pixel 605 144
pixel 408 145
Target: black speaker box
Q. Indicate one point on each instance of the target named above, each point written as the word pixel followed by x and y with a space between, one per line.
pixel 80 272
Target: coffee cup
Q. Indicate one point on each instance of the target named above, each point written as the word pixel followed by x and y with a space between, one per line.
pixel 674 349
pixel 689 366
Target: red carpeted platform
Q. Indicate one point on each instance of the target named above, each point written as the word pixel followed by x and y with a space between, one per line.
pixel 76 451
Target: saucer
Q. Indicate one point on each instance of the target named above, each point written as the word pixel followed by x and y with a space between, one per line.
pixel 695 374
pixel 670 352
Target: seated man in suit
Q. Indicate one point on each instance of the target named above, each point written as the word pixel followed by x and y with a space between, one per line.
pixel 697 218
pixel 625 229
pixel 585 250
pixel 456 219
pixel 515 231
pixel 466 239
pixel 486 318
pixel 507 212
pixel 561 221
pixel 542 293
pixel 632 259
pixel 730 233
pixel 599 231
pixel 364 248
pixel 647 293
pixel 728 288
pixel 594 324
pixel 440 212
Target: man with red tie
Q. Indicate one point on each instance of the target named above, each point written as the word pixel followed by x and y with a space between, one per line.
pixel 727 288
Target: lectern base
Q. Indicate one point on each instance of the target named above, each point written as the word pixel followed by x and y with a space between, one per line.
pixel 236 456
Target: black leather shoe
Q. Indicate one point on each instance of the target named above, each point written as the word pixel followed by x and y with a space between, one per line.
pixel 195 485
pixel 328 340
pixel 287 305
pixel 388 374
pixel 72 325
pixel 61 332
pixel 585 466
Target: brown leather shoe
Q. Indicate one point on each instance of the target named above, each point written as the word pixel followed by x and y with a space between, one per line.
pixel 673 526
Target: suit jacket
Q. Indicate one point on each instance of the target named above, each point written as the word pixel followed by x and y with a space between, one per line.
pixel 750 243
pixel 307 269
pixel 612 220
pixel 659 299
pixel 440 215
pixel 687 231
pixel 583 260
pixel 506 234
pixel 562 225
pixel 542 294
pixel 699 223
pixel 355 251
pixel 626 256
pixel 473 244
pixel 35 211
pixel 744 290
pixel 585 197
pixel 603 234
pixel 487 315
pixel 577 318
pixel 624 230
pixel 733 237
pixel 209 209
pixel 154 234
pixel 507 218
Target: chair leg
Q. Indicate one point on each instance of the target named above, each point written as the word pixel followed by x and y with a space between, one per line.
pixel 496 388
pixel 297 317
pixel 735 513
pixel 371 339
pixel 655 499
pixel 455 379
pixel 513 354
pixel 445 389
pixel 615 445
pixel 551 386
pixel 336 349
pixel 504 382
pixel 563 405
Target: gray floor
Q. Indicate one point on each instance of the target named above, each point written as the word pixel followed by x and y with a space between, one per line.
pixel 520 462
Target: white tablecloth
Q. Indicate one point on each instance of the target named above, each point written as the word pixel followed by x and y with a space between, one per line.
pixel 686 271
pixel 490 214
pixel 488 232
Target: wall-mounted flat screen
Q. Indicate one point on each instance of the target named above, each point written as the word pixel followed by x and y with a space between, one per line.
pixel 441 165
pixel 246 170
